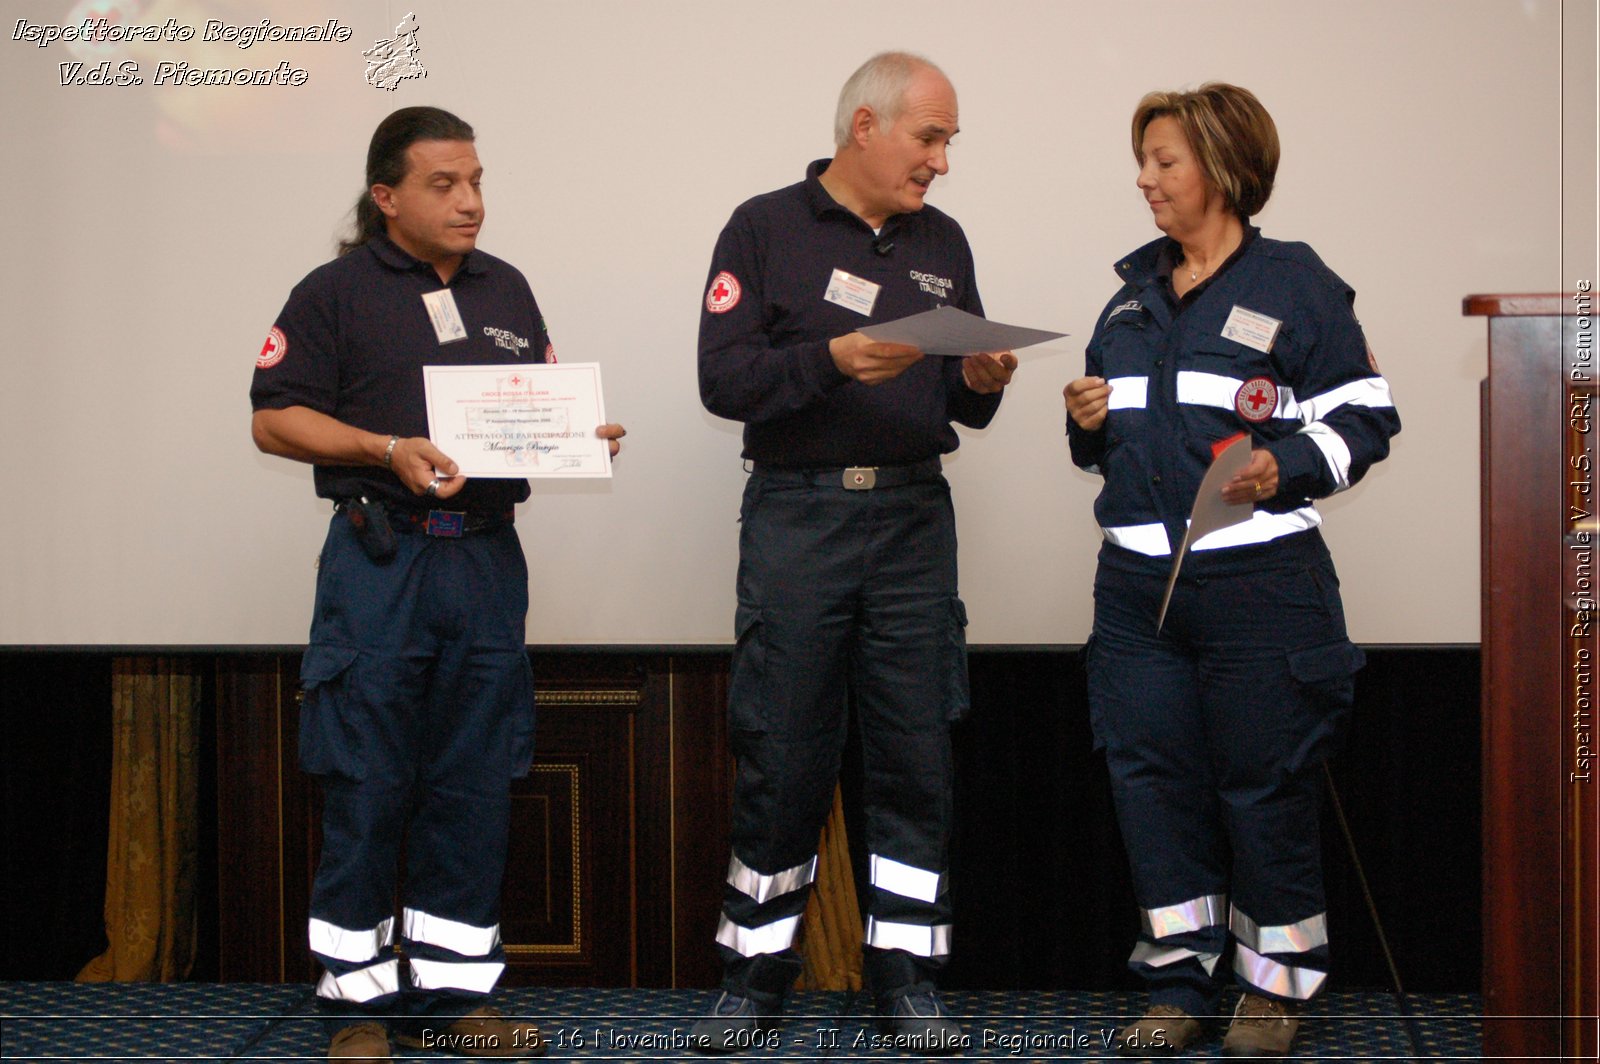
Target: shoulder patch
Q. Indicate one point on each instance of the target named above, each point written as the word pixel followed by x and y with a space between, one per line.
pixel 1256 399
pixel 549 353
pixel 723 295
pixel 273 350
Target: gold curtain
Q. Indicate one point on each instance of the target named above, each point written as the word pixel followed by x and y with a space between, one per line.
pixel 150 860
pixel 831 930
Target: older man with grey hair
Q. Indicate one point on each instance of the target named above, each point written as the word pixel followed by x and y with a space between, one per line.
pixel 847 594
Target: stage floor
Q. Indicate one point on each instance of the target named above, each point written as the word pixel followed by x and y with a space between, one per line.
pixel 201 1021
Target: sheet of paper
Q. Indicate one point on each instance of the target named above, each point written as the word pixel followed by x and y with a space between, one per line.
pixel 952 331
pixel 519 421
pixel 1210 512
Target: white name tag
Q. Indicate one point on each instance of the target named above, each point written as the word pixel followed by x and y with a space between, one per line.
pixel 1251 329
pixel 855 293
pixel 444 315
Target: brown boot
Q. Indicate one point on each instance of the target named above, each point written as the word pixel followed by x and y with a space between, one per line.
pixel 1261 1027
pixel 360 1043
pixel 483 1032
pixel 1164 1031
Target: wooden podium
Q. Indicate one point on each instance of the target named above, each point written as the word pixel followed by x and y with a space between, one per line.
pixel 1541 835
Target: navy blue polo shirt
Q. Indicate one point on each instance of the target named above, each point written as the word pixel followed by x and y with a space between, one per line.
pixel 353 338
pixel 765 325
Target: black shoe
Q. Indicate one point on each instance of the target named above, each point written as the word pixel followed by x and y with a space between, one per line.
pixel 736 1025
pixel 917 1022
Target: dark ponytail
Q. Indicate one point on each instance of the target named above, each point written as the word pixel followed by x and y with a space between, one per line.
pixel 386 161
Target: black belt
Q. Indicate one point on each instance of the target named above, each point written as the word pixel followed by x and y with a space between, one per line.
pixel 448 523
pixel 451 524
pixel 856 478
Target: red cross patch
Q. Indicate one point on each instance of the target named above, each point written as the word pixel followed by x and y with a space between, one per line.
pixel 273 350
pixel 550 354
pixel 1256 399
pixel 723 295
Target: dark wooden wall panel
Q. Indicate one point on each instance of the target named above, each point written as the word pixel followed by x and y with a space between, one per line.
pixel 701 804
pixel 619 843
pixel 595 873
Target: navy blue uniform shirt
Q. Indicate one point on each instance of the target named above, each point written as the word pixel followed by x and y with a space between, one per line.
pixel 1315 399
pixel 353 338
pixel 765 327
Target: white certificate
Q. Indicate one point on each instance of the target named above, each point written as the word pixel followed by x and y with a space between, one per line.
pixel 519 421
pixel 1210 512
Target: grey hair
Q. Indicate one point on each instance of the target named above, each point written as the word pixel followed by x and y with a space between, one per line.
pixel 880 84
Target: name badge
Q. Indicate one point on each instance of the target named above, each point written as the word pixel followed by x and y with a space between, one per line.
pixel 1251 329
pixel 444 315
pixel 855 293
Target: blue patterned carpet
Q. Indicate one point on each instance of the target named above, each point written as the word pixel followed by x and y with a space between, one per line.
pixel 205 1022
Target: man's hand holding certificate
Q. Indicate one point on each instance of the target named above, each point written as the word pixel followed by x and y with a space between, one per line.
pixel 519 420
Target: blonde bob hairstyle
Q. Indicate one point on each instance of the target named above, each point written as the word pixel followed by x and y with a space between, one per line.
pixel 1230 133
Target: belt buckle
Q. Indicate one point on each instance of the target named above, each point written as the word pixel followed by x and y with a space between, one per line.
pixel 860 478
pixel 448 523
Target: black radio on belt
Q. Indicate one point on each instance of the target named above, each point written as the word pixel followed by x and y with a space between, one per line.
pixel 370 519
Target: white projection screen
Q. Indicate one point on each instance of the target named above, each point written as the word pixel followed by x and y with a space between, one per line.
pixel 1431 149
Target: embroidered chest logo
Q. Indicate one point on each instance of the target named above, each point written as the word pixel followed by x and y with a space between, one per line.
pixel 506 338
pixel 1256 399
pixel 723 295
pixel 933 284
pixel 1132 304
pixel 273 350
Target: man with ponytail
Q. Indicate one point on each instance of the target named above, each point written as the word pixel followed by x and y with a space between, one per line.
pixel 418 697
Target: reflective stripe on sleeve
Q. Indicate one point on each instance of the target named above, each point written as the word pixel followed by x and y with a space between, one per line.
pixel 1284 980
pixel 1215 390
pixel 1334 450
pixel 748 881
pixel 364 984
pixel 1192 915
pixel 1153 956
pixel 1149 539
pixel 753 941
pixel 1368 391
pixel 1262 527
pixel 476 976
pixel 465 939
pixel 1127 393
pixel 908 881
pixel 345 944
pixel 1301 936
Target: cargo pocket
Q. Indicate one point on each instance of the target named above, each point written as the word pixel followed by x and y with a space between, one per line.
pixel 747 677
pixel 1325 674
pixel 330 744
pixel 958 697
